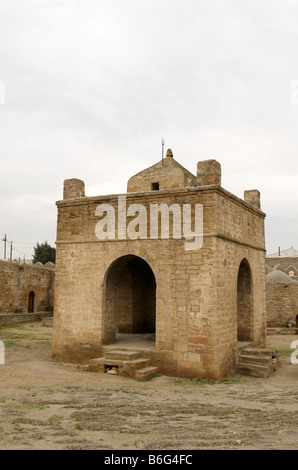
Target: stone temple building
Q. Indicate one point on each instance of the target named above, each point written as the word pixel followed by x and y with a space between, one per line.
pixel 168 277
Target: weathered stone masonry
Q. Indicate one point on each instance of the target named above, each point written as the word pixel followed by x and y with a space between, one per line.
pixel 26 288
pixel 282 303
pixel 199 303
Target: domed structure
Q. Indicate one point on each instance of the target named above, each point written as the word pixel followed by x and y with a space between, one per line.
pixel 277 275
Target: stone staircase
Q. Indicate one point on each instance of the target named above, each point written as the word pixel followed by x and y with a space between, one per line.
pixel 126 363
pixel 258 362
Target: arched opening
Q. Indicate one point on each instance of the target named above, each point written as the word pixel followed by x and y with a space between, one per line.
pixel 31 302
pixel 129 298
pixel 244 303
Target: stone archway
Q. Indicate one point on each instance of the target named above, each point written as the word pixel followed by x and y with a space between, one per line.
pixel 129 300
pixel 31 298
pixel 244 303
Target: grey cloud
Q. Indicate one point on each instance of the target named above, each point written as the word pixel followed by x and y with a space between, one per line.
pixel 92 86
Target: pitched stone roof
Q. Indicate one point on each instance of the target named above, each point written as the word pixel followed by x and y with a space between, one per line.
pixel 168 173
pixel 289 253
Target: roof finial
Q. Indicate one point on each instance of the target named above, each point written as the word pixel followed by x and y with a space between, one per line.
pixel 169 153
pixel 162 148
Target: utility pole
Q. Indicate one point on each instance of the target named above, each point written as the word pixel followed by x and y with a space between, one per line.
pixel 10 251
pixel 5 241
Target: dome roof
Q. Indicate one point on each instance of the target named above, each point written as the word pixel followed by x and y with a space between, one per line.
pixel 277 275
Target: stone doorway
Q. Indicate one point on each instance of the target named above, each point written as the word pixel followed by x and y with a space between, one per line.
pixel 129 299
pixel 244 303
pixel 31 302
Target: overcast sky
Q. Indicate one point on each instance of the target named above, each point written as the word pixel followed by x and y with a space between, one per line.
pixel 89 88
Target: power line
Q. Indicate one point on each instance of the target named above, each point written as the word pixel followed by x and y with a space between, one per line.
pixel 14 242
pixel 21 241
pixel 23 252
pixel 11 242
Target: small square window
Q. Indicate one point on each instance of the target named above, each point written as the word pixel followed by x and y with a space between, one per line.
pixel 154 186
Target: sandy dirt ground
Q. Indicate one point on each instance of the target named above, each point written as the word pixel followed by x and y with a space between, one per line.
pixel 46 405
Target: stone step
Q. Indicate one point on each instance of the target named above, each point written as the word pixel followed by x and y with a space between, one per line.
pixel 122 362
pixel 122 355
pixel 98 364
pixel 258 352
pixel 243 344
pixel 136 364
pixel 247 359
pixel 145 373
pixel 124 367
pixel 255 370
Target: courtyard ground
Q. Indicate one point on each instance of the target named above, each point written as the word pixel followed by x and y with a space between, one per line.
pixel 46 405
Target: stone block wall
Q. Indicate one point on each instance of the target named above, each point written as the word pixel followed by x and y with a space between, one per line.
pixel 282 303
pixel 18 280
